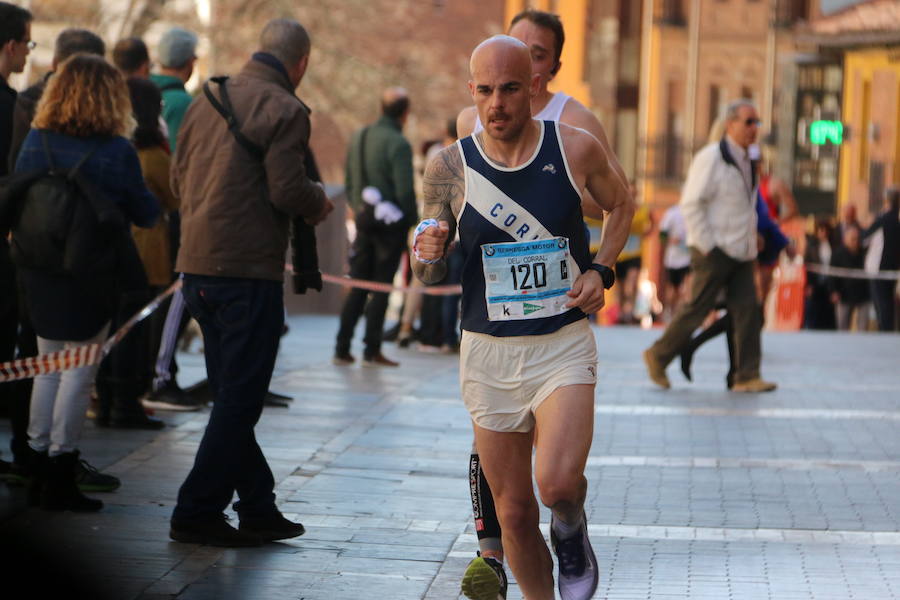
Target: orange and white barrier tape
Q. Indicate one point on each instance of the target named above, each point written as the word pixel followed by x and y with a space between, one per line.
pixel 852 273
pixel 81 356
pixel 374 286
pixel 91 354
pixel 71 358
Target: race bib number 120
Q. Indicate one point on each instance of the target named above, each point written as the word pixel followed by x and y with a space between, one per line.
pixel 527 280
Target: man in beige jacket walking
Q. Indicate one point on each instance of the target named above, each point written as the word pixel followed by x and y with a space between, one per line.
pixel 719 207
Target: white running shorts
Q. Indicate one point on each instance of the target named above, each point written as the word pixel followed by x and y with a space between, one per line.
pixel 505 379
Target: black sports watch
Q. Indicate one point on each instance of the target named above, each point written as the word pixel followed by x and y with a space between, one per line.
pixel 606 274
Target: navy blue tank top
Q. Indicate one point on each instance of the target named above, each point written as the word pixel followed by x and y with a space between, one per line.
pixel 537 200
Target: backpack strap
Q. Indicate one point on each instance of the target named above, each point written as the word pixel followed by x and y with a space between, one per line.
pixel 46 144
pixel 225 109
pixel 45 141
pixel 74 170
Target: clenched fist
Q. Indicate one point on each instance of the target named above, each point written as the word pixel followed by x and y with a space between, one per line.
pixel 429 244
pixel 587 293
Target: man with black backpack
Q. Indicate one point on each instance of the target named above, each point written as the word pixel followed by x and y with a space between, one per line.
pixel 379 176
pixel 240 181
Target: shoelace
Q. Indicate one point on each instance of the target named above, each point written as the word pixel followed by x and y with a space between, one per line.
pixel 570 553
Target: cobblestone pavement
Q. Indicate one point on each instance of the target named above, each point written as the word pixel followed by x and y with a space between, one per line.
pixel 694 492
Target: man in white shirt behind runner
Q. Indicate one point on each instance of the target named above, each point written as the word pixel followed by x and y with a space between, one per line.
pixel 544 35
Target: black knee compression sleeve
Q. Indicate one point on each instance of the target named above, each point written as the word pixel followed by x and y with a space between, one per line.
pixel 486 523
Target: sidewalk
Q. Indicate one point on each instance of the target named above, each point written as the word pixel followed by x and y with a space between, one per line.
pixel 693 492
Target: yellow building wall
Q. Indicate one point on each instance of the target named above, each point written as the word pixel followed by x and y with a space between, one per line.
pixel 878 70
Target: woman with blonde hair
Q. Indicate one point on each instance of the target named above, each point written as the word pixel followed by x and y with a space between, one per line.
pixel 82 121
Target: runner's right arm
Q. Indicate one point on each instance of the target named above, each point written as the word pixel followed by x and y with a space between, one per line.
pixel 442 191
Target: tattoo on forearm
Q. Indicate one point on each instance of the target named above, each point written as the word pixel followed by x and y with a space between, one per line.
pixel 443 191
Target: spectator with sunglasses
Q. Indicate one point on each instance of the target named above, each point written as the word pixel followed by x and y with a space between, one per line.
pixel 719 207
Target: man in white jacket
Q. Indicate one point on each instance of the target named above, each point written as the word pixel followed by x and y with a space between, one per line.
pixel 719 207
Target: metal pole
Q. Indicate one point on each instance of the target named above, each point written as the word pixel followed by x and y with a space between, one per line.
pixel 644 98
pixel 768 100
pixel 693 68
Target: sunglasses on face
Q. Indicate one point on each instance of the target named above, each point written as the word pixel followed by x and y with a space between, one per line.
pixel 752 122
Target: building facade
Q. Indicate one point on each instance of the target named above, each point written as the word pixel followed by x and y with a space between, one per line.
pixel 658 74
pixel 863 41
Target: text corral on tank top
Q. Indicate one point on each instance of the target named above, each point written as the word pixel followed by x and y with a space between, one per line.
pixel 500 210
pixel 509 219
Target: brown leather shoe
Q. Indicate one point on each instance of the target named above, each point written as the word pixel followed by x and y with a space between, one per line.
pixel 655 370
pixel 753 386
pixel 379 360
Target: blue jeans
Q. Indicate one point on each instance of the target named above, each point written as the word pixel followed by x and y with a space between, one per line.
pixel 241 320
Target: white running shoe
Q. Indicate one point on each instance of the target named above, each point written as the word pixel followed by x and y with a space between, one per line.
pixel 578 570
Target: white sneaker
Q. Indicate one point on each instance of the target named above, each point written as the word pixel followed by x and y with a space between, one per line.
pixel 579 574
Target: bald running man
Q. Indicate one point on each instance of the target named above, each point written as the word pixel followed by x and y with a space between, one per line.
pixel 544 35
pixel 528 357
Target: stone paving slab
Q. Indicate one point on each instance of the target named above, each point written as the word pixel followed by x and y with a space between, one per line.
pixel 694 492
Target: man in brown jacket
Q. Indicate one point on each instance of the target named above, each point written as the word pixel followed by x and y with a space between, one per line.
pixel 239 187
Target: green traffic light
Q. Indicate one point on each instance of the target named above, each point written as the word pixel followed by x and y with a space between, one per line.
pixel 823 132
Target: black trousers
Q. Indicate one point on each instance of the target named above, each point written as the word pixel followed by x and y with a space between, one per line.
pixel 122 377
pixel 9 324
pixel 374 257
pixel 883 299
pixel 818 310
pixel 431 328
pixel 241 320
pixel 9 330
pixel 17 340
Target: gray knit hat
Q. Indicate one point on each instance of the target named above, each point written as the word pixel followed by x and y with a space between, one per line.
pixel 176 47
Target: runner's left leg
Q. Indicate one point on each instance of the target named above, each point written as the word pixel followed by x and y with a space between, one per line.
pixel 506 460
pixel 566 422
